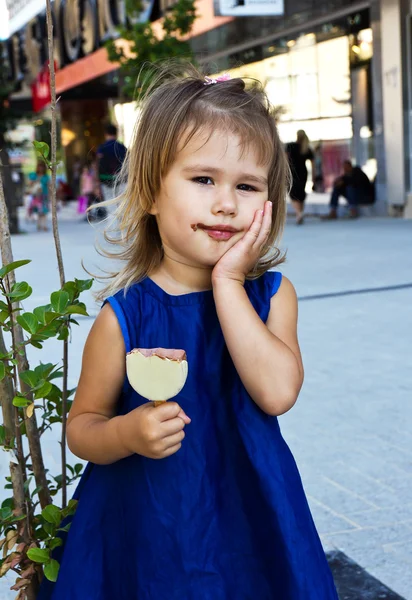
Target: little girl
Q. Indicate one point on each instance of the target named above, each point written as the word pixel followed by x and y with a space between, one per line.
pixel 199 498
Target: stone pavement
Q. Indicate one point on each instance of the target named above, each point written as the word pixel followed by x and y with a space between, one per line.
pixel 350 430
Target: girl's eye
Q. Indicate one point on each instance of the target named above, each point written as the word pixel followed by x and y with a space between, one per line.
pixel 244 187
pixel 203 180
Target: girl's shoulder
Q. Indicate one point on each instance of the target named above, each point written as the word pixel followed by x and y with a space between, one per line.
pixel 261 290
pixel 266 285
pixel 126 304
pixel 126 296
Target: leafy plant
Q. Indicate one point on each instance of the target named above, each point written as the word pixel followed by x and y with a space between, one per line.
pixel 29 532
pixel 145 43
pixel 34 399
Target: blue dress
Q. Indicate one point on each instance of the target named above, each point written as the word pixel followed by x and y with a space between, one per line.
pixel 226 517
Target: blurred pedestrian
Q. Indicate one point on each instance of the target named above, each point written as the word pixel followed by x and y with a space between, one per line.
pixel 87 188
pixel 317 174
pixel 354 185
pixel 76 175
pixel 110 157
pixel 39 188
pixel 298 153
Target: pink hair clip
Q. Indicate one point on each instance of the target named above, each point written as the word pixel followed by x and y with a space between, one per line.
pixel 218 79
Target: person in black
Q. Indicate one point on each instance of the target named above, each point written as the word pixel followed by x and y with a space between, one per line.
pixel 110 157
pixel 353 185
pixel 298 153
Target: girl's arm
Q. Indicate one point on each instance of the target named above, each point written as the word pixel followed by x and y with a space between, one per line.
pixel 94 433
pixel 267 357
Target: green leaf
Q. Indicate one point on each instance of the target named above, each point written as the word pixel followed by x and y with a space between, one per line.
pixel 36 344
pixel 2 434
pixel 51 317
pixel 2 370
pixel 39 555
pixel 76 309
pixel 42 148
pixel 28 322
pixel 83 284
pixel 51 570
pixel 3 306
pixel 55 543
pixel 65 528
pixel 4 315
pixel 64 333
pixel 20 291
pixel 20 402
pixel 56 375
pixel 72 505
pixel 8 502
pixel 44 369
pixel 49 528
pixel 78 467
pixel 12 266
pixel 40 312
pixel 51 514
pixel 30 377
pixel 6 512
pixel 59 300
pixel 55 393
pixel 71 288
pixel 36 491
pixel 44 390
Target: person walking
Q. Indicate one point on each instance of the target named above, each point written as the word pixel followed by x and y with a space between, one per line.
pixel 298 153
pixel 39 187
pixel 198 498
pixel 76 176
pixel 354 185
pixel 87 187
pixel 110 157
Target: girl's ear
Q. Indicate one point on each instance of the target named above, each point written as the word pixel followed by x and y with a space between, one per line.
pixel 153 209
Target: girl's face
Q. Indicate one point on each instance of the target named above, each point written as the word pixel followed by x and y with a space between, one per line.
pixel 209 197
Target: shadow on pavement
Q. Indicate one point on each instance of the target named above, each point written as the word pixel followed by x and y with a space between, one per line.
pixel 354 583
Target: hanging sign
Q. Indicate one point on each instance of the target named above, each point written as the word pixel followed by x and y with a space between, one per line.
pixel 249 8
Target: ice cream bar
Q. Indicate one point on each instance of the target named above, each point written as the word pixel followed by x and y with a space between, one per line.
pixel 157 374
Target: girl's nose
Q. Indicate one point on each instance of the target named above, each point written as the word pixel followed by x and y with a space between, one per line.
pixel 225 203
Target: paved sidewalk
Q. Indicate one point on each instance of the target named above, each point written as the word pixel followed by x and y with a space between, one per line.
pixel 350 431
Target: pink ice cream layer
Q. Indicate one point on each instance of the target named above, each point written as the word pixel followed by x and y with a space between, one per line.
pixel 168 353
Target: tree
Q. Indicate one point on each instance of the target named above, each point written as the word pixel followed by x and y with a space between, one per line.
pixel 146 46
pixel 31 526
pixel 8 120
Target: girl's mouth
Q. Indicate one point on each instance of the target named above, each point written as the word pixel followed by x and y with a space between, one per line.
pixel 217 232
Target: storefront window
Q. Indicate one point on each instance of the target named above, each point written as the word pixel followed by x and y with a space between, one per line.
pixel 334 78
pixel 311 82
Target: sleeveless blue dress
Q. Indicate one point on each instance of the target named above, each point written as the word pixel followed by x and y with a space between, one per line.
pixel 226 517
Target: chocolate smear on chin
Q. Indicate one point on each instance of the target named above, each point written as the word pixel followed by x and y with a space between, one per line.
pixel 194 227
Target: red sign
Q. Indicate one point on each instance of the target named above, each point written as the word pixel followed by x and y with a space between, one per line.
pixel 40 89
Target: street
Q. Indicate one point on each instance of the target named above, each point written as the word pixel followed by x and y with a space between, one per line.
pixel 350 430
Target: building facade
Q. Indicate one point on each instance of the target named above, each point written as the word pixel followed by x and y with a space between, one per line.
pixel 340 70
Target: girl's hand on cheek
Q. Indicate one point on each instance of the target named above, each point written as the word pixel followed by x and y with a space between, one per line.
pixel 242 257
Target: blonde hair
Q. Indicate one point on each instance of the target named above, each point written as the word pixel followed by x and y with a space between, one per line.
pixel 303 141
pixel 172 113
